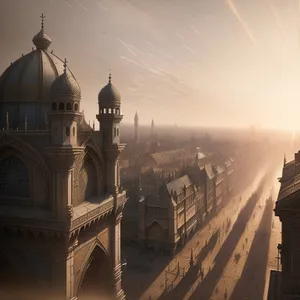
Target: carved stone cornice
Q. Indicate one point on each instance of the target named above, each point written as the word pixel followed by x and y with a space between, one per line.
pixel 63 158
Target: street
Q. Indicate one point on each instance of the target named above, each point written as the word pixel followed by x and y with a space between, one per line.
pixel 228 253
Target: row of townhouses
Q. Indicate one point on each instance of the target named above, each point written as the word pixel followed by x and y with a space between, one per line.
pixel 167 218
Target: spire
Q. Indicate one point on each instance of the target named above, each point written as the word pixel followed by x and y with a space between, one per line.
pixel 65 65
pixel 109 77
pixel 284 160
pixel 94 125
pixel 42 20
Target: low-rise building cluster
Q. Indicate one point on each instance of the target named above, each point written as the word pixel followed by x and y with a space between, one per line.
pixel 168 217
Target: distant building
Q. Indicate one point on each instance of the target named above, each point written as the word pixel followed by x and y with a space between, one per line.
pixel 229 176
pixel 169 217
pixel 220 185
pixel 136 128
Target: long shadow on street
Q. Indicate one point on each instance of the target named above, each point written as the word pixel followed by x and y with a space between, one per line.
pixel 206 287
pixel 256 264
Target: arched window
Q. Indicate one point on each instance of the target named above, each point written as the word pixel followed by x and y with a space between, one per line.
pixel 61 106
pixel 69 106
pixel 115 132
pixel 87 180
pixel 104 110
pixel 118 132
pixel 109 110
pixel 76 106
pixel 54 106
pixel 14 178
pixel 67 131
pixel 117 111
pixel 74 131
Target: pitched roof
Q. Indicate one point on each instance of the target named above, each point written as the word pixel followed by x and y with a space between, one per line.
pixel 178 184
pixel 167 157
pixel 209 171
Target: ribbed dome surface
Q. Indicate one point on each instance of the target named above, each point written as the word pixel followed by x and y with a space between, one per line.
pixel 65 86
pixel 25 87
pixel 109 96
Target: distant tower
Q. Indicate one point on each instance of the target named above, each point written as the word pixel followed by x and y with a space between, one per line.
pixel 136 128
pixel 152 129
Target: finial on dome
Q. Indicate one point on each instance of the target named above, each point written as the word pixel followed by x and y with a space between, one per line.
pixel 65 65
pixel 109 77
pixel 42 20
pixel 42 40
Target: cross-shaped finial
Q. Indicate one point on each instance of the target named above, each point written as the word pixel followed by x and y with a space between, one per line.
pixel 42 18
pixel 65 65
pixel 109 77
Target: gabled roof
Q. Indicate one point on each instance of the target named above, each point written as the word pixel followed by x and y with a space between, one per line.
pixel 178 184
pixel 167 157
pixel 209 171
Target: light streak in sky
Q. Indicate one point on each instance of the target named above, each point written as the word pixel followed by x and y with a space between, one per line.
pixel 127 46
pixel 277 18
pixel 243 23
pixel 194 29
pixel 188 48
pixel 83 7
pixel 180 36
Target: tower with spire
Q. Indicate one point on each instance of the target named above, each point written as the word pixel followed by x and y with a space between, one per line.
pixel 61 214
pixel 136 128
pixel 152 130
pixel 109 117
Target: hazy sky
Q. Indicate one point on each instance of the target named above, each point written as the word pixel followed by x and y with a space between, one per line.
pixel 185 62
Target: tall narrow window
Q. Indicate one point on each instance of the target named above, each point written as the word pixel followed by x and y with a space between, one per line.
pixel 67 131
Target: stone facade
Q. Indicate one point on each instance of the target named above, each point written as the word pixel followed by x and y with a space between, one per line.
pixel 169 218
pixel 288 210
pixel 60 197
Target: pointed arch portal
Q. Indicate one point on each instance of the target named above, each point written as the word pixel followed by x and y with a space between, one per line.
pixel 96 283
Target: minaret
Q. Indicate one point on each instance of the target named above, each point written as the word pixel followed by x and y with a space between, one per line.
pixel 152 129
pixel 63 117
pixel 65 110
pixel 136 128
pixel 109 101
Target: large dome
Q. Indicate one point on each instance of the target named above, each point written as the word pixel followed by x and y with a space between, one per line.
pixel 25 86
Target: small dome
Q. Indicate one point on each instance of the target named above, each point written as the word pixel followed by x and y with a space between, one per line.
pixel 41 40
pixel 109 95
pixel 65 87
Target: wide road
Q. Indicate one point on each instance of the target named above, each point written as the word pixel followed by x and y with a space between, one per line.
pixel 220 250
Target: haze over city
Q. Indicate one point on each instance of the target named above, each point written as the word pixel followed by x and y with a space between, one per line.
pixel 149 149
pixel 191 63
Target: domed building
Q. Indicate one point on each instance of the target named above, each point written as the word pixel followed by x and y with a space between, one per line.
pixel 60 197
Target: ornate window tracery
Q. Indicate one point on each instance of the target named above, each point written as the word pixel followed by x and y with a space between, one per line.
pixel 14 178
